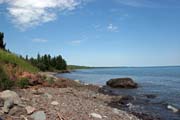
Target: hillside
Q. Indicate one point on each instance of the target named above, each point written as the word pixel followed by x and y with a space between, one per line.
pixel 12 59
pixel 11 67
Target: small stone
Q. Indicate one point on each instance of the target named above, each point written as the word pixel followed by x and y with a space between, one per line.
pixel 95 115
pixel 78 81
pixel 49 96
pixel 30 109
pixel 54 103
pixel 116 111
pixel 39 115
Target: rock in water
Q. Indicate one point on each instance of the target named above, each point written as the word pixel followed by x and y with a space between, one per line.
pixel 39 115
pixel 122 83
pixel 95 115
pixel 170 107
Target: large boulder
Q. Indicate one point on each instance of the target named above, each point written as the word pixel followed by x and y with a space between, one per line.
pixel 10 98
pixel 122 83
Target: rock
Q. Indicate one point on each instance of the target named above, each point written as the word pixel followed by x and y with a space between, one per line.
pixel 11 96
pixel 78 81
pixel 116 111
pixel 54 103
pixel 122 83
pixel 95 115
pixel 150 96
pixel 124 100
pixel 30 109
pixel 7 105
pixel 172 108
pixel 39 115
pixel 17 111
pixel 1 102
pixel 49 96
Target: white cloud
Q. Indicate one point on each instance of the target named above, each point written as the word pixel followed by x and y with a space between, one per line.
pixel 28 13
pixel 112 28
pixel 76 42
pixel 40 40
pixel 137 3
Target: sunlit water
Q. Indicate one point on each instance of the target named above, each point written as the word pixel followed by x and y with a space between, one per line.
pixel 161 81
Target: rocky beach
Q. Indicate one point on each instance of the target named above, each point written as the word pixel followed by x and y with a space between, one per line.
pixel 68 101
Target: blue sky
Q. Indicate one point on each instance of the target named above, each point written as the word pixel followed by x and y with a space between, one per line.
pixel 95 32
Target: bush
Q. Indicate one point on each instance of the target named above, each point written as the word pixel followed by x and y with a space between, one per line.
pixel 50 80
pixel 5 83
pixel 23 83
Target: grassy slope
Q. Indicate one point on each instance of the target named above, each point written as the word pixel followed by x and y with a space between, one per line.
pixel 9 58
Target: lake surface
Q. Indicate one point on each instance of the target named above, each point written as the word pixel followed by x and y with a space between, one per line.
pixel 161 81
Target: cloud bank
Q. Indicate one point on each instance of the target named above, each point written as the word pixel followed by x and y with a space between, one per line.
pixel 28 13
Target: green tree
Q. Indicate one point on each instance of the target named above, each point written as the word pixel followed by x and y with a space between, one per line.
pixel 2 44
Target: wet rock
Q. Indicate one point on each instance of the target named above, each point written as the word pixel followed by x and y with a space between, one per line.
pixel 54 103
pixel 39 115
pixel 95 115
pixel 30 109
pixel 124 100
pixel 145 116
pixel 122 83
pixel 150 96
pixel 172 108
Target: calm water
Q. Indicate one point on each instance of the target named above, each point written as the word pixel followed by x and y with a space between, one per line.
pixel 161 81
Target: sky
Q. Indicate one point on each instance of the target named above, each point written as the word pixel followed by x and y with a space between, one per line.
pixel 95 32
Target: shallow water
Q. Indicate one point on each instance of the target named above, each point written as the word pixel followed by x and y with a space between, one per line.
pixel 161 81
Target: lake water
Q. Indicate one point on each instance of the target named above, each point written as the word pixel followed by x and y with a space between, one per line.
pixel 161 81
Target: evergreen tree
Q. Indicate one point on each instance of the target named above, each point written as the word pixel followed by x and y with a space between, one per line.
pixel 38 57
pixel 2 44
pixel 27 57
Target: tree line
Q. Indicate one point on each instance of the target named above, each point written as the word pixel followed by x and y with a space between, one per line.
pixel 44 62
pixel 48 63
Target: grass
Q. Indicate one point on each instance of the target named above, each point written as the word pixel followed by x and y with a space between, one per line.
pixel 5 83
pixel 9 58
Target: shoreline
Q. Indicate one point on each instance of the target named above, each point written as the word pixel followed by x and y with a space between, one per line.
pixel 152 103
pixel 68 100
pixel 114 103
pixel 77 96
